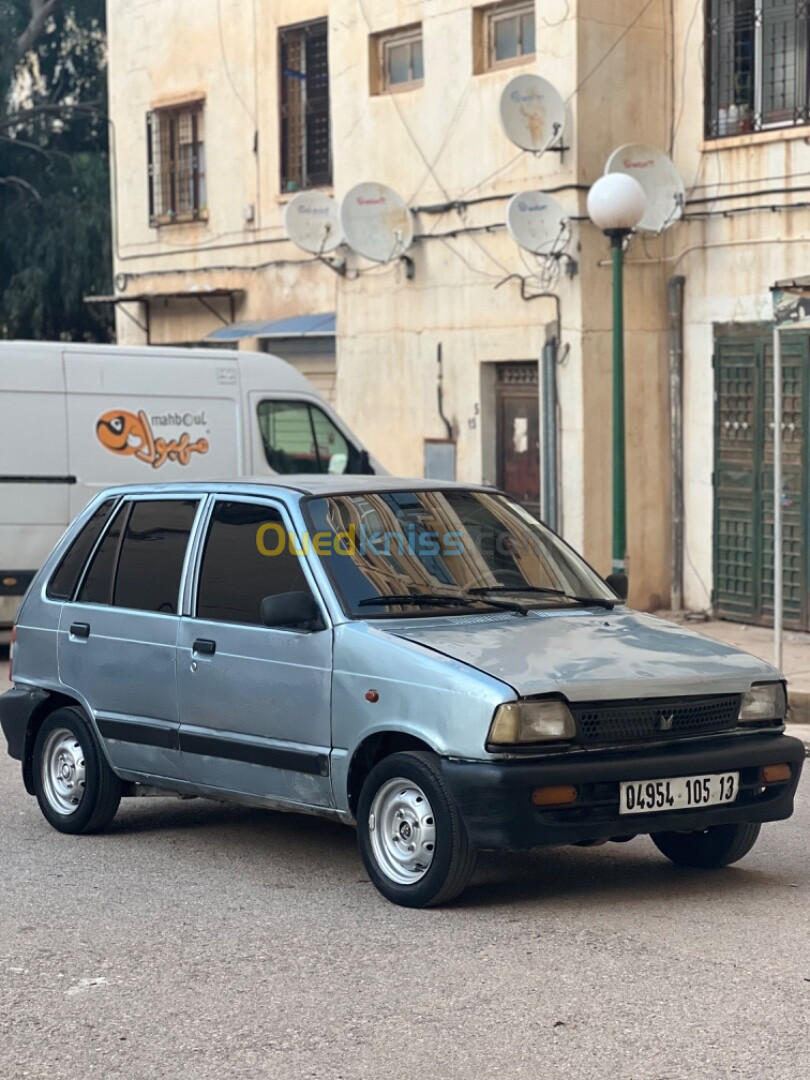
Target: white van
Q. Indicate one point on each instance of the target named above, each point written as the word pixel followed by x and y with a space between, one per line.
pixel 77 418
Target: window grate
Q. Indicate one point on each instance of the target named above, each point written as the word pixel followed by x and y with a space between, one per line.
pixel 757 65
pixel 306 153
pixel 176 164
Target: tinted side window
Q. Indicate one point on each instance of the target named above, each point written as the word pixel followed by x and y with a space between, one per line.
pixel 97 585
pixel 152 554
pixel 235 576
pixel 63 583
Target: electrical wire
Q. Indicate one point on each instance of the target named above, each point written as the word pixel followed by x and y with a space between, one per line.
pixel 227 69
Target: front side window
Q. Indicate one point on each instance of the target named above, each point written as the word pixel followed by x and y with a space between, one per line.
pixel 306 152
pixel 63 583
pixel 176 164
pixel 300 438
pixel 454 550
pixel 756 65
pixel 248 556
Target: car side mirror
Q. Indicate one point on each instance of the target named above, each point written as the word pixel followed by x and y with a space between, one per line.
pixel 619 584
pixel 293 610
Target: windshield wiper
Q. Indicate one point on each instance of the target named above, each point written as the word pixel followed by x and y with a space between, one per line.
pixel 591 601
pixel 441 600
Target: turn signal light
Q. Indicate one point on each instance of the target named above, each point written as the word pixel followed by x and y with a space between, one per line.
pixel 554 796
pixel 775 774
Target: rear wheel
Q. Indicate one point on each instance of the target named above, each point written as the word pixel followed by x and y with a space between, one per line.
pixel 76 789
pixel 411 836
pixel 718 846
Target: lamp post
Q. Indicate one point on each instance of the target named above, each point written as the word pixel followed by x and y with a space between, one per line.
pixel 616 204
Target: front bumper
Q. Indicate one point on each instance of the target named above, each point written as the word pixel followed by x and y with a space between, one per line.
pixel 495 797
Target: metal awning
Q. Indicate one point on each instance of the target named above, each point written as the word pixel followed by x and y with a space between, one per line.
pixel 296 326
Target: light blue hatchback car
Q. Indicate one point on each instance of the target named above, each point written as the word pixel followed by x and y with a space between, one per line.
pixel 423 660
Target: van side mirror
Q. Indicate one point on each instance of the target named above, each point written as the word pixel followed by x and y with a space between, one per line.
pixel 619 584
pixel 363 464
pixel 293 610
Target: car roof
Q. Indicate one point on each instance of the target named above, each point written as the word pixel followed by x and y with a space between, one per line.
pixel 304 484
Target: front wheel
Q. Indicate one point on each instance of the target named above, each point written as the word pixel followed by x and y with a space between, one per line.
pixel 76 789
pixel 411 836
pixel 720 845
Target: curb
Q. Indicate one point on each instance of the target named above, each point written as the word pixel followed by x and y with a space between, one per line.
pixel 799 707
pixel 801 732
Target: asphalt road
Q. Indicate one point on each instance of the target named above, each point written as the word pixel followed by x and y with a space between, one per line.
pixel 200 941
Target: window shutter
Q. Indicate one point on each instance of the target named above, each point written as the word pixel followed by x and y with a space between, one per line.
pixel 150 164
pixel 318 135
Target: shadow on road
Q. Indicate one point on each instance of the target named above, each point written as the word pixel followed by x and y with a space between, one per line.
pixel 269 844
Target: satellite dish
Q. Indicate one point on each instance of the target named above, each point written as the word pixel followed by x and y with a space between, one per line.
pixel 532 112
pixel 660 179
pixel 376 222
pixel 536 221
pixel 312 221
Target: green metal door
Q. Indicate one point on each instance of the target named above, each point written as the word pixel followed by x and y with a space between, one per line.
pixel 743 476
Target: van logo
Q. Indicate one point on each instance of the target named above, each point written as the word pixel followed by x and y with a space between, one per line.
pixel 666 720
pixel 130 435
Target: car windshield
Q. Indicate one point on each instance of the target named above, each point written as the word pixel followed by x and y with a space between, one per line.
pixel 398 553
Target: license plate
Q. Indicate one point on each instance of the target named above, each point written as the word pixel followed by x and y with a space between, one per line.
pixel 678 793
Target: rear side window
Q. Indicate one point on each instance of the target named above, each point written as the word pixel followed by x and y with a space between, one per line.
pixel 146 574
pixel 98 581
pixel 63 583
pixel 151 561
pixel 235 575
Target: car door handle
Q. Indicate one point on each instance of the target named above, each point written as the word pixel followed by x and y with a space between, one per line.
pixel 80 629
pixel 204 646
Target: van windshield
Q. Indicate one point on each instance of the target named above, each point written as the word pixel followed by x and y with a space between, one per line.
pixel 444 551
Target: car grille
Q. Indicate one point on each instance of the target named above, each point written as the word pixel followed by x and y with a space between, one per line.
pixel 659 718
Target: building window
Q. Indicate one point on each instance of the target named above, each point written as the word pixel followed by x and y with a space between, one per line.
pixel 503 34
pixel 176 164
pixel 306 152
pixel 396 60
pixel 757 61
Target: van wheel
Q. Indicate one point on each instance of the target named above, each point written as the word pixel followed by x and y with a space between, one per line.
pixel 721 845
pixel 76 789
pixel 411 836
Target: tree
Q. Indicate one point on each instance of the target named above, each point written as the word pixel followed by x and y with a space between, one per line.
pixel 54 170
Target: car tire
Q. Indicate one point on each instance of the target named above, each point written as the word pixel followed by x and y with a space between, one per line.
pixel 720 845
pixel 410 833
pixel 76 789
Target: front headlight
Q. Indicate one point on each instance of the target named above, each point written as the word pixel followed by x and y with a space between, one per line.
pixel 531 722
pixel 762 703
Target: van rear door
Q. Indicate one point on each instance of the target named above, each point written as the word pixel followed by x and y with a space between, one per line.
pixel 139 416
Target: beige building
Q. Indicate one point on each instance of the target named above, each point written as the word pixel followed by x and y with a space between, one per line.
pixel 224 109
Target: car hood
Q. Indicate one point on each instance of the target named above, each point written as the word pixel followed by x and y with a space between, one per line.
pixel 587 656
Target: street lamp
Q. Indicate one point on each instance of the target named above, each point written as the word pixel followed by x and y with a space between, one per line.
pixel 616 204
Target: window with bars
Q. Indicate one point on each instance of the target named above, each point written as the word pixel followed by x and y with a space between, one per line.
pixel 397 60
pixel 306 152
pixel 757 65
pixel 176 164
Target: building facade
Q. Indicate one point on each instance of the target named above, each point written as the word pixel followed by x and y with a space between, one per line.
pixel 473 356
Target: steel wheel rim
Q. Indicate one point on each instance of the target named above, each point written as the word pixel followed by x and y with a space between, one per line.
pixel 63 771
pixel 402 830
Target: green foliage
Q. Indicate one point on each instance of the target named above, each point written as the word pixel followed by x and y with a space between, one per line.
pixel 54 170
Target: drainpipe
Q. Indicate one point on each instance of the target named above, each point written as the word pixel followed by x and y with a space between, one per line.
pixel 675 291
pixel 549 485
